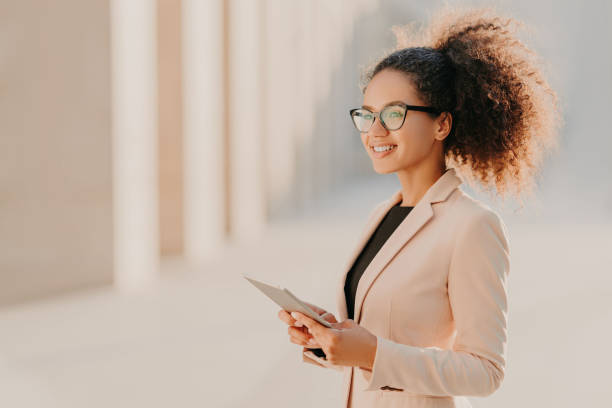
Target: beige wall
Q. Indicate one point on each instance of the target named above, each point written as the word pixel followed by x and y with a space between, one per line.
pixel 55 148
pixel 134 130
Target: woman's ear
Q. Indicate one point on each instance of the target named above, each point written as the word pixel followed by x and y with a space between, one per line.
pixel 443 125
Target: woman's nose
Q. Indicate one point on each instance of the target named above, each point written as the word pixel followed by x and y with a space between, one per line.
pixel 377 129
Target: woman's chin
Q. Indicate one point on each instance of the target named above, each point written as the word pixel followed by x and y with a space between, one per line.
pixel 383 169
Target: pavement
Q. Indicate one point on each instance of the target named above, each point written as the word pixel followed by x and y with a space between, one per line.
pixel 202 336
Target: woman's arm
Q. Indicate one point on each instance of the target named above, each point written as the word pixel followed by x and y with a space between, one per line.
pixel 477 290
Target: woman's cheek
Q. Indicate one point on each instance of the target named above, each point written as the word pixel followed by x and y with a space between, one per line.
pixel 412 145
pixel 363 143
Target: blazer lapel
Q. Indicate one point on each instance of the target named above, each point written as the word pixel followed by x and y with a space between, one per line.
pixel 365 236
pixel 416 219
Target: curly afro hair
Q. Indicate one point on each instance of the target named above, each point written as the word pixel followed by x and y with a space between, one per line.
pixel 505 115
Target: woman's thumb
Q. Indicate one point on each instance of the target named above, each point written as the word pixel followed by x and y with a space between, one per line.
pixel 345 324
pixel 329 317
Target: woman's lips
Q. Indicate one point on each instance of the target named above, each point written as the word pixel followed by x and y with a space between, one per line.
pixel 380 155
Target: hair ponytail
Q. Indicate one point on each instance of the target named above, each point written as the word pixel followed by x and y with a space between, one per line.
pixel 505 115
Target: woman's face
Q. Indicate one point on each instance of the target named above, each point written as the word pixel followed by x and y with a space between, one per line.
pixel 413 142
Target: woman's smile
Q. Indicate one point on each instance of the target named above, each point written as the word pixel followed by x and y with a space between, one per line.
pixel 380 151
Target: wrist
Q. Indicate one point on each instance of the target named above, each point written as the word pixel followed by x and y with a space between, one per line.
pixel 371 352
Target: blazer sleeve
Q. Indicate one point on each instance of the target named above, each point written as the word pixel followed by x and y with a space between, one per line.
pixel 477 291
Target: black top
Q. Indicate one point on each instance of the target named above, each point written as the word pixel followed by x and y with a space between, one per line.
pixel 389 223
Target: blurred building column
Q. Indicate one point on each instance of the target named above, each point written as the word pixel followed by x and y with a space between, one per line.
pixel 281 84
pixel 245 118
pixel 304 105
pixel 327 32
pixel 134 129
pixel 205 141
pixel 170 130
pixel 56 229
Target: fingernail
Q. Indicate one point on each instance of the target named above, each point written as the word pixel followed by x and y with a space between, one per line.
pixel 294 315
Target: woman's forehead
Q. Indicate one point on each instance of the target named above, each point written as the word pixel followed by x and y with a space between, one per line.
pixel 387 87
pixel 393 102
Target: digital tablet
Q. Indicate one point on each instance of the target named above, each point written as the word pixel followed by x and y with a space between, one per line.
pixel 286 300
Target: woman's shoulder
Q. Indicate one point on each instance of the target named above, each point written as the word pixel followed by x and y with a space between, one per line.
pixel 472 213
pixel 468 206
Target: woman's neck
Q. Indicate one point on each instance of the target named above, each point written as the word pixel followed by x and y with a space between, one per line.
pixel 415 183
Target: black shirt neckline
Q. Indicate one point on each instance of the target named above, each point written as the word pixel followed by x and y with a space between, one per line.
pixel 388 224
pixel 397 205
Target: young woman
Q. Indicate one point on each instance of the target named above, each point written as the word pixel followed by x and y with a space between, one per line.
pixel 422 302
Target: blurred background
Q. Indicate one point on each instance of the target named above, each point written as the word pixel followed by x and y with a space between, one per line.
pixel 151 151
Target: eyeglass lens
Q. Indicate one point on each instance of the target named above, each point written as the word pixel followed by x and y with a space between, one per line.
pixel 391 117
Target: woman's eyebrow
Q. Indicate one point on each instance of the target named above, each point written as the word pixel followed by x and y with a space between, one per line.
pixel 385 105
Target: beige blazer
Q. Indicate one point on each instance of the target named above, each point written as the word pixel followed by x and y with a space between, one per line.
pixel 435 296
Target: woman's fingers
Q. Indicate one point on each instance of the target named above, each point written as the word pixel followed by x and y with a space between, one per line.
pixel 328 317
pixel 300 342
pixel 286 317
pixel 315 328
pixel 312 344
pixel 299 333
pixel 308 341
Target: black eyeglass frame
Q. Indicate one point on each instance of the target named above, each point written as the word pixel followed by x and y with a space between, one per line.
pixel 429 109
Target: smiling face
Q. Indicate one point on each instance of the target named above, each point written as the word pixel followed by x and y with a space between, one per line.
pixel 417 141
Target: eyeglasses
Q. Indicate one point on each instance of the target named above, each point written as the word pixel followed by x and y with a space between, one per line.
pixel 391 117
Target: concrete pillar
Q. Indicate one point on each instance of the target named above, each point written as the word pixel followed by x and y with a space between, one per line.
pixel 247 104
pixel 280 82
pixel 305 97
pixel 204 98
pixel 170 121
pixel 135 171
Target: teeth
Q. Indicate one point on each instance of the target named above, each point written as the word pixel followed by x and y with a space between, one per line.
pixel 383 148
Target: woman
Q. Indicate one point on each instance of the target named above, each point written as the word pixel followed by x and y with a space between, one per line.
pixel 422 302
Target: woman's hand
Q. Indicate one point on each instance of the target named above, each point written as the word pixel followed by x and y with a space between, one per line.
pixel 345 343
pixel 298 333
